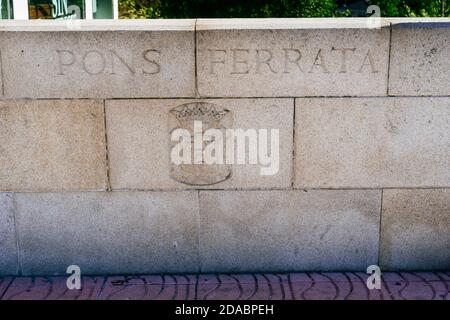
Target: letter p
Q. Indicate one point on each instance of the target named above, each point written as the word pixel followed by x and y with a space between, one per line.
pixel 70 60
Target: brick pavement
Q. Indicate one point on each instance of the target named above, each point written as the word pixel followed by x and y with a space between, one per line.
pixel 299 286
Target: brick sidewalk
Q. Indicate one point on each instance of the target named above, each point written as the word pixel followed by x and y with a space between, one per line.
pixel 301 286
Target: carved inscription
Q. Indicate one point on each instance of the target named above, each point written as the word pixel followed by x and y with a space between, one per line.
pixel 290 60
pixel 96 61
pixel 211 117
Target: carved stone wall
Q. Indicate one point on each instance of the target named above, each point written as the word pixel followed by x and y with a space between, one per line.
pixel 87 110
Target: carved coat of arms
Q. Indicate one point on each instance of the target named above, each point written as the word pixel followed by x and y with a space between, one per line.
pixel 190 117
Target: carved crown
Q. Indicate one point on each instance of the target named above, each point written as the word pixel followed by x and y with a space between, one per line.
pixel 201 111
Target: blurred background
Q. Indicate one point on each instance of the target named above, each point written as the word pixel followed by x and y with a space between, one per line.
pixel 279 8
pixel 157 9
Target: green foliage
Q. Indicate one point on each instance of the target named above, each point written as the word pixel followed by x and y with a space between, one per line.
pixel 413 8
pixel 139 9
pixel 247 8
pixel 150 9
pixel 225 9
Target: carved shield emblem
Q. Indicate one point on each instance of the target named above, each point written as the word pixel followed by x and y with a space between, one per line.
pixel 210 116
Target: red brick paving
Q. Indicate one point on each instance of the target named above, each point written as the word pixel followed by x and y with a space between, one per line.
pixel 298 286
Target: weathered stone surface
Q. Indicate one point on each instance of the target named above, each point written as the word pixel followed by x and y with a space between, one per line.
pixel 420 57
pixel 288 57
pixel 8 248
pixel 85 61
pixel 415 229
pixel 52 145
pixel 288 230
pixel 372 142
pixel 2 88
pixel 139 143
pixel 108 232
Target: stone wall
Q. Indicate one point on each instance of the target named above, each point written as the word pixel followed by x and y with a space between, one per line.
pixel 364 129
